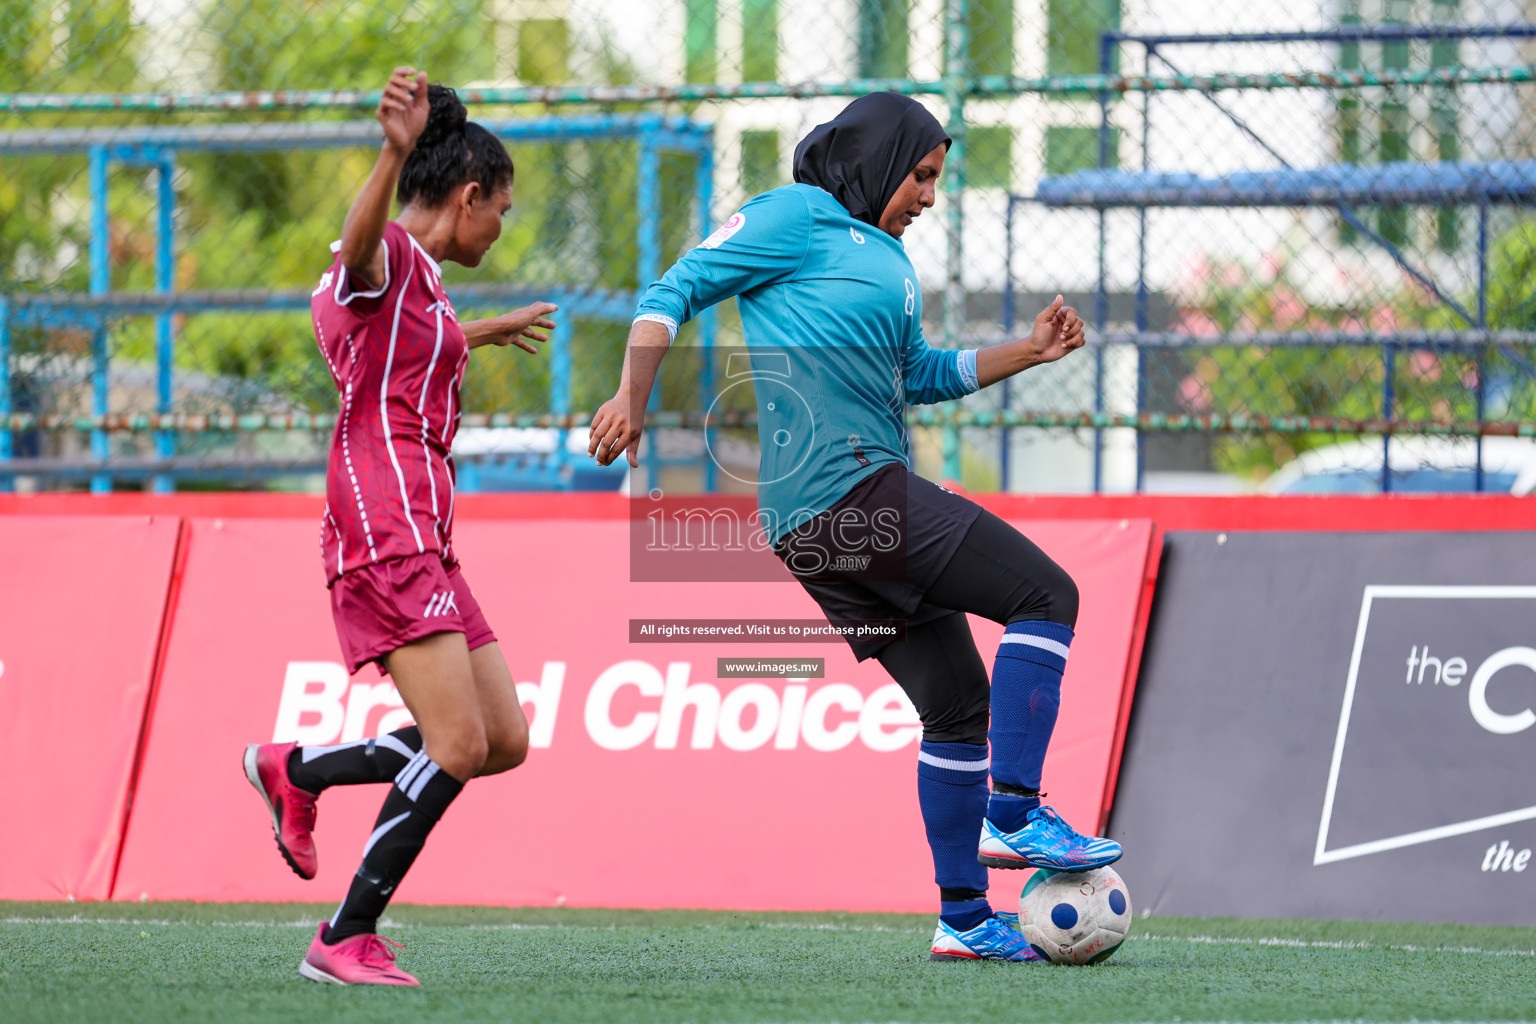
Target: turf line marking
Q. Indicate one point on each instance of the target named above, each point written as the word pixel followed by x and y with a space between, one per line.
pixel 1213 940
pixel 157 922
pixel 807 927
pixel 1218 940
pixel 509 927
pixel 387 923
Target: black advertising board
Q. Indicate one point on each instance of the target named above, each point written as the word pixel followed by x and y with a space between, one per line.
pixel 1336 726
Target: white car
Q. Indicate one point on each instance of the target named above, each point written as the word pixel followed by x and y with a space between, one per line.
pixel 1419 465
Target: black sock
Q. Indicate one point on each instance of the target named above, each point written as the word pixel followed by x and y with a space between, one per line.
pixel 353 764
pixel 421 793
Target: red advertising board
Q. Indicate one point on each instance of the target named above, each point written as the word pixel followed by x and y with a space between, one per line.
pixel 1444 513
pixel 651 782
pixel 81 601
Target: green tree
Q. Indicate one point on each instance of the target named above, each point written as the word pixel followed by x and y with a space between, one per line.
pixel 265 220
pixel 1344 381
pixel 44 239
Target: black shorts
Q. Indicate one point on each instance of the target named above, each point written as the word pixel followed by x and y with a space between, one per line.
pixel 875 554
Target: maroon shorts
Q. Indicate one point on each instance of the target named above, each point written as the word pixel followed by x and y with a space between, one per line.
pixel 384 606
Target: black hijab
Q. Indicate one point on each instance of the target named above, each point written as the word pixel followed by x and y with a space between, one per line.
pixel 862 155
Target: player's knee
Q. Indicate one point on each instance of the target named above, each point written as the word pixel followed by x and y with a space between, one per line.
pixel 962 724
pixel 1053 598
pixel 971 730
pixel 514 745
pixel 1063 599
pixel 508 750
pixel 462 751
pixel 473 750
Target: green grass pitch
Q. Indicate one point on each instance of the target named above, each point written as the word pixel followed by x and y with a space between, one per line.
pixel 236 963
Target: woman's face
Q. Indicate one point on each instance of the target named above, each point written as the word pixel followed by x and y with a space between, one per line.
pixel 915 194
pixel 479 222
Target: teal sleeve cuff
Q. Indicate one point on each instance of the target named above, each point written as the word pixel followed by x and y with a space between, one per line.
pixel 661 318
pixel 967 365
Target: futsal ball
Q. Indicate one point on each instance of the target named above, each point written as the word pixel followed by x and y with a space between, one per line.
pixel 1075 917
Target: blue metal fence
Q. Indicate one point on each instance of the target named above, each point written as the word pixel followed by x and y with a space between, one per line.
pixel 1476 184
pixel 157 148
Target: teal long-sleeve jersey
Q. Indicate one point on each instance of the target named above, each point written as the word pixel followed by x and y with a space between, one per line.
pixel 832 315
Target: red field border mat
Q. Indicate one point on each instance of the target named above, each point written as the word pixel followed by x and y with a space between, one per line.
pixel 81 605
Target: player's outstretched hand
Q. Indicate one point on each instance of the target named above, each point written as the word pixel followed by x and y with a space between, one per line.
pixel 1058 330
pixel 520 323
pixel 403 108
pixel 616 428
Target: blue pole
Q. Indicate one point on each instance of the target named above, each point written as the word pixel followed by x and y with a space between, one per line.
pixel 165 328
pixel 703 191
pixel 1478 483
pixel 1008 319
pixel 648 209
pixel 1101 296
pixel 100 284
pixel 560 375
pixel 648 202
pixel 1343 34
pixel 6 480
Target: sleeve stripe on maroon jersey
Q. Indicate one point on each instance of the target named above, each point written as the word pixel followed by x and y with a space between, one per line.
pixel 389 442
pixel 421 407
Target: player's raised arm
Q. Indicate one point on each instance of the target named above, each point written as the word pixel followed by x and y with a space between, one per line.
pixel 764 242
pixel 621 420
pixel 936 375
pixel 403 112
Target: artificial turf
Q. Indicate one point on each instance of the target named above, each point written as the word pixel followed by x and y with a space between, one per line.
pixel 236 963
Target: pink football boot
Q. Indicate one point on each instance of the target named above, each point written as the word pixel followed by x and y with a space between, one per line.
pixel 292 808
pixel 365 959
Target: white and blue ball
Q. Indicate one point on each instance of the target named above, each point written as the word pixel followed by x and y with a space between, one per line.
pixel 1075 917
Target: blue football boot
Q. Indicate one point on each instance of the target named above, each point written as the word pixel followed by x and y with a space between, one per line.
pixel 1045 841
pixel 996 938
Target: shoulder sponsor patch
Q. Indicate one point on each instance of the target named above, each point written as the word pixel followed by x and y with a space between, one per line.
pixel 724 231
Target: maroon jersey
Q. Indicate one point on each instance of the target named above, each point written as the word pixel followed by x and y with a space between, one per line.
pixel 397 355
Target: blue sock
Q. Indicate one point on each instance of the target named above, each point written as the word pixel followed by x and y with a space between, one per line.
pixel 952 792
pixel 963 915
pixel 1026 694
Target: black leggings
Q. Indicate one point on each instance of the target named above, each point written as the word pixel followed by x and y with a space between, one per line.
pixel 996 573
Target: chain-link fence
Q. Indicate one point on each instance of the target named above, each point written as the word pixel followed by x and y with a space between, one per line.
pixel 1296 227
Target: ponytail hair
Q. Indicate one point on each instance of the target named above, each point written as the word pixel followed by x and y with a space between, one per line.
pixel 451 152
